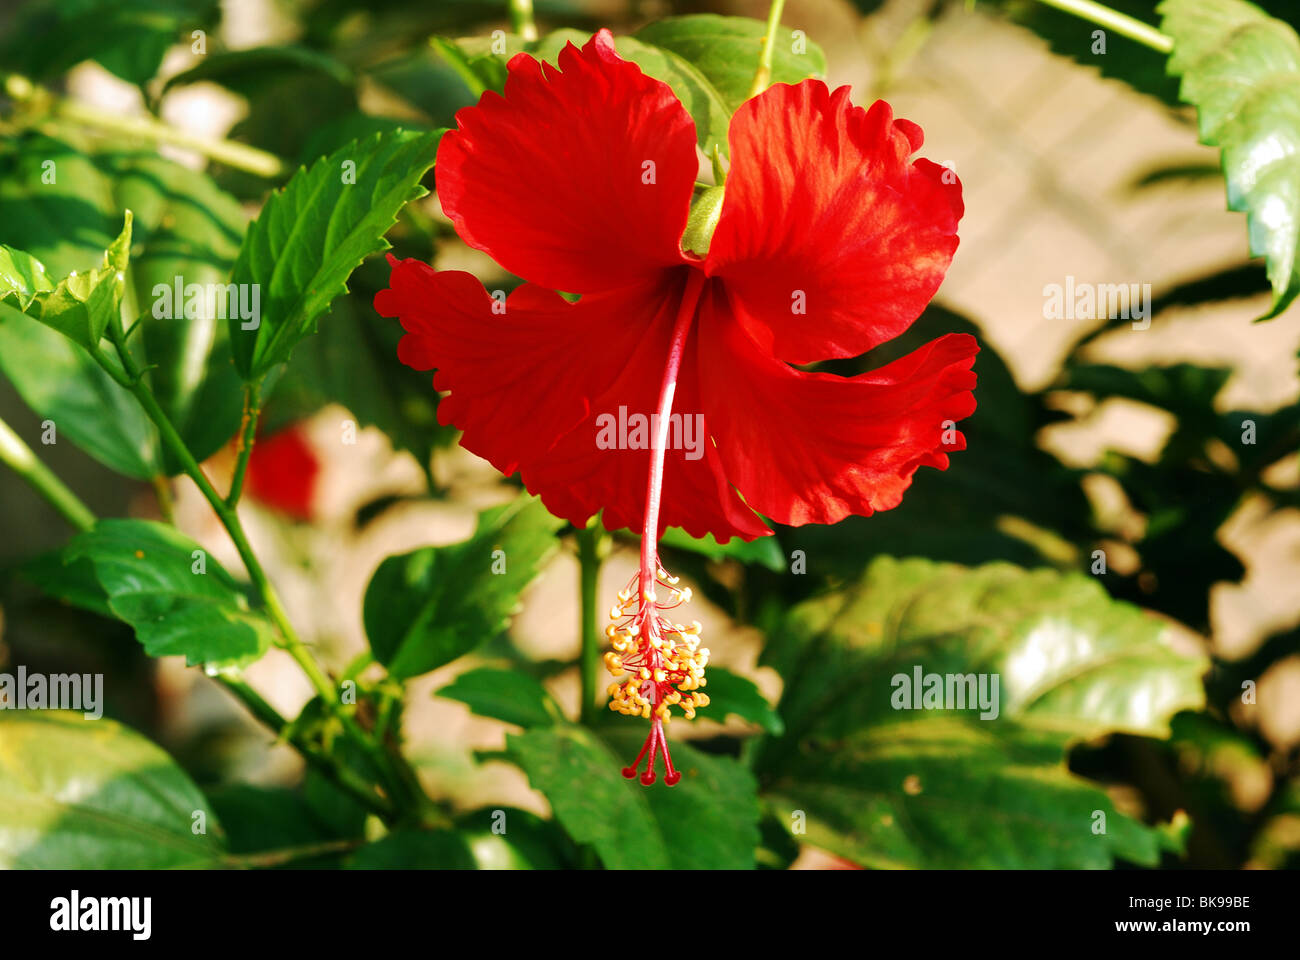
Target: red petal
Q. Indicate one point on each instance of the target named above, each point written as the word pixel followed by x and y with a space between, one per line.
pixel 549 179
pixel 822 202
pixel 577 478
pixel 813 447
pixel 522 372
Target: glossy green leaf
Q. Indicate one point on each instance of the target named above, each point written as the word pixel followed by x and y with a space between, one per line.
pixel 415 850
pixel 81 306
pixel 1068 662
pixel 725 50
pixel 94 795
pixel 426 608
pixel 709 820
pixel 22 277
pixel 504 695
pixel 1240 68
pixel 178 599
pixel 730 693
pixel 311 235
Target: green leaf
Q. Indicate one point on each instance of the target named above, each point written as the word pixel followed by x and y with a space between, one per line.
pixel 178 599
pixel 725 50
pixel 731 693
pixel 353 361
pixel 415 850
pixel 506 838
pixel 935 787
pixel 475 62
pixel 426 608
pixel 481 69
pixel 764 551
pixel 247 70
pixel 93 795
pixel 311 235
pixel 62 383
pixel 709 820
pixel 258 819
pixel 81 306
pixel 22 277
pixel 128 37
pixel 1240 68
pixel 183 226
pixel 504 695
pixel 944 794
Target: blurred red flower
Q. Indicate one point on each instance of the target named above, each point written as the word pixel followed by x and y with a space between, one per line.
pixel 282 471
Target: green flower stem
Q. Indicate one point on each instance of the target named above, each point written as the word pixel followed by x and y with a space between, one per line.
pixel 390 766
pixel 237 155
pixel 247 436
pixel 521 19
pixel 763 75
pixel 1122 24
pixel 592 548
pixel 19 458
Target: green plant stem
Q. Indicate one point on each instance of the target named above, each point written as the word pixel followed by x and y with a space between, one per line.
pixel 24 462
pixel 591 547
pixel 237 155
pixel 247 436
pixel 763 75
pixel 1124 25
pixel 398 777
pixel 521 19
pixel 336 772
pixel 275 858
pixel 20 458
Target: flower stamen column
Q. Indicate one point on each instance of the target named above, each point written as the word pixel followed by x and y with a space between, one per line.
pixel 658 662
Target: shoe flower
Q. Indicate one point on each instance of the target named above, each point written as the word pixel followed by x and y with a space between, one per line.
pixel 668 392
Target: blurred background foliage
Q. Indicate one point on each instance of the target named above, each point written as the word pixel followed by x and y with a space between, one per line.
pixel 1143 718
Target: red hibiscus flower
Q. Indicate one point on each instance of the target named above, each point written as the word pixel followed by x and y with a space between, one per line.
pixel 666 395
pixel 282 472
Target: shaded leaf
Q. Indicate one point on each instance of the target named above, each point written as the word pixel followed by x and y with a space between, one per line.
pixel 504 695
pixel 709 820
pixel 415 850
pixel 981 782
pixel 730 693
pixel 426 608
pixel 94 795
